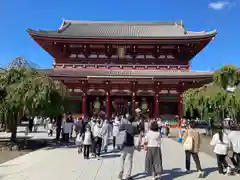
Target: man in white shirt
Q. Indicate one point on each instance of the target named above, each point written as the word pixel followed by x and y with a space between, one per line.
pixel 35 123
pixel 234 137
pixel 116 127
pixel 67 129
pixel 98 136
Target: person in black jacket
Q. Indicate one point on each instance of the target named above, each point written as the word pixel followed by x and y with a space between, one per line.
pixel 128 146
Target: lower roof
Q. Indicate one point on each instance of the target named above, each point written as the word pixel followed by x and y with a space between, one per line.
pixel 65 72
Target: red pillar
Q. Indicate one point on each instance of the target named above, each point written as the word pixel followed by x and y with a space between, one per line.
pixel 108 110
pixel 156 108
pixel 180 105
pixel 133 103
pixel 84 105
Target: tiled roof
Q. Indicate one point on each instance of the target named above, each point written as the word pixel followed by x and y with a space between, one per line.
pixel 122 30
pixel 128 73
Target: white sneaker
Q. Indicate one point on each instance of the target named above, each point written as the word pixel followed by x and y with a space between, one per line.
pixel 120 176
pixel 229 170
pixel 200 174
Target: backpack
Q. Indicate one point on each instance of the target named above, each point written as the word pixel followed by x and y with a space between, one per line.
pixel 141 126
pixel 188 144
pixel 129 139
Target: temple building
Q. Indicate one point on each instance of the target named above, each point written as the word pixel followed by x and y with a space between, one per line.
pixel 117 67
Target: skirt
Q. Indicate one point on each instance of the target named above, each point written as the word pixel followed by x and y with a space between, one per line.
pixel 153 160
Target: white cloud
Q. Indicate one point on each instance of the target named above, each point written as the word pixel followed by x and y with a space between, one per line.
pixel 218 5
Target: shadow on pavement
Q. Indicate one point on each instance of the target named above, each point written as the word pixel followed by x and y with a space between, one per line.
pixel 175 173
pixel 33 132
pixel 208 171
pixel 57 145
pixel 108 156
pixel 140 175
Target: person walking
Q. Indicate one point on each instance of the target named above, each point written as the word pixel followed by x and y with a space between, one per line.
pixel 35 123
pixel 159 122
pixel 87 142
pixel 50 127
pixel 221 145
pixel 67 129
pixel 105 134
pixel 234 137
pixel 97 133
pixel 128 146
pixel 116 127
pixel 153 159
pixel 91 124
pixel 58 126
pixel 191 144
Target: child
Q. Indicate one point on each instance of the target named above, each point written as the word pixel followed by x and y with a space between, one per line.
pixel 79 143
pixel 87 139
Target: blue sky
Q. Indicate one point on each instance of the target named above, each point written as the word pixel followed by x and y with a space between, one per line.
pixel 18 15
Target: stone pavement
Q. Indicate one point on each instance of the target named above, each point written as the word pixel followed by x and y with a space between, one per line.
pixel 64 163
pixel 40 134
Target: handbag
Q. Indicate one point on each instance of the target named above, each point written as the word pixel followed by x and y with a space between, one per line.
pixel 179 140
pixel 188 144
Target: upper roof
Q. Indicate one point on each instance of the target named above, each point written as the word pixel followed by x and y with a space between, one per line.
pixel 109 29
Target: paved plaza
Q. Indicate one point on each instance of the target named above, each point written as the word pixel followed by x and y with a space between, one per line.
pixel 40 134
pixel 64 163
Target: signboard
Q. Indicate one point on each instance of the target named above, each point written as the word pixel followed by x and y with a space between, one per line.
pixel 168 97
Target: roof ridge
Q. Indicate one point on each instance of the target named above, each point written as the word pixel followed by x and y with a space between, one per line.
pixel 180 23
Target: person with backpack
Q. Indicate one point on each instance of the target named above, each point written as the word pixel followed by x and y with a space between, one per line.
pixel 191 144
pixel 221 144
pixel 128 146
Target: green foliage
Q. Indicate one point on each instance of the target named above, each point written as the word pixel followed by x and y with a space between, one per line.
pixel 213 100
pixel 26 91
pixel 226 76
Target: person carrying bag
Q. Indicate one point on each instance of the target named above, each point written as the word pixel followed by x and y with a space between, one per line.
pixel 191 145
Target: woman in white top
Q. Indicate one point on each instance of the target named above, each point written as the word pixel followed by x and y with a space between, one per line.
pixel 87 142
pixel 221 145
pixel 153 159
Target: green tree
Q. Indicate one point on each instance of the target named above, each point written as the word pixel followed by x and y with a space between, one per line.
pixel 214 100
pixel 26 90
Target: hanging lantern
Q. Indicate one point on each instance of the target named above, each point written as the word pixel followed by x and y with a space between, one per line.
pixel 121 52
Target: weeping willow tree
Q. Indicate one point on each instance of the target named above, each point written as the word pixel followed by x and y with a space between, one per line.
pixel 215 100
pixel 24 90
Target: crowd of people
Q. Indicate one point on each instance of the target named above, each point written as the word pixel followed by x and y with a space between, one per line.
pixel 92 139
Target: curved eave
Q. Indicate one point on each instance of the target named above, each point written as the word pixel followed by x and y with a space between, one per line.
pixel 73 73
pixel 57 35
pixel 134 77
